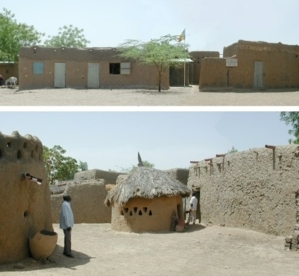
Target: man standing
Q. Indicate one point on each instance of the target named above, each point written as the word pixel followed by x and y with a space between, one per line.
pixel 193 209
pixel 66 223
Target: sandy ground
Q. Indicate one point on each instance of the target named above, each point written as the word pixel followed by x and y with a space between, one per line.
pixel 176 96
pixel 201 250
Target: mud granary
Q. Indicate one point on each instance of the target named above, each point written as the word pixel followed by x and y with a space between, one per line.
pixel 146 200
pixel 252 66
pixel 254 189
pixel 42 67
pixel 24 200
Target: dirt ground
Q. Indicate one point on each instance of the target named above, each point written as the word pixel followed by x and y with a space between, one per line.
pixel 201 250
pixel 176 96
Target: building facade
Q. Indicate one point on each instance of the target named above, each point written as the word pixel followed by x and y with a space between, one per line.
pixel 92 68
pixel 252 66
pixel 255 189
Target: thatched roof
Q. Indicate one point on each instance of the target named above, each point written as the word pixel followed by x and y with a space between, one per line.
pixel 147 183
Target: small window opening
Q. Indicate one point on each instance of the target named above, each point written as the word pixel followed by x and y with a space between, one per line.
pixel 26 214
pixel 25 146
pixel 126 210
pixel 140 213
pixel 150 213
pixel 131 214
pixel 19 155
pixel 135 209
pixel 122 212
pixel 145 209
pixel 114 68
pixel 1 155
pixel 9 144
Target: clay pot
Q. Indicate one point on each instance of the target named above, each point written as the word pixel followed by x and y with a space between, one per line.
pixel 42 245
pixel 180 227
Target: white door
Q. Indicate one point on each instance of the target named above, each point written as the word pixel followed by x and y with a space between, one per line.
pixel 258 74
pixel 59 75
pixel 93 75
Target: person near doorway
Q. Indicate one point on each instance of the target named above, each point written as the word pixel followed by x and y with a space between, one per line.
pixel 193 209
pixel 66 223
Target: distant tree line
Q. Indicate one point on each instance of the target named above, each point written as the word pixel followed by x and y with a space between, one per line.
pixel 14 35
pixel 60 167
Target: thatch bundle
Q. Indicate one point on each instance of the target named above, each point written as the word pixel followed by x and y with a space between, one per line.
pixel 146 183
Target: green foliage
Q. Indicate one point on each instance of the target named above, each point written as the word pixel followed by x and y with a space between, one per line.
pixel 145 164
pixel 14 35
pixel 60 167
pixel 68 36
pixel 162 53
pixel 291 118
pixel 232 150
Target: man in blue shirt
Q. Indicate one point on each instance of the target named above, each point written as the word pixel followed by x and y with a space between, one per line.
pixel 66 223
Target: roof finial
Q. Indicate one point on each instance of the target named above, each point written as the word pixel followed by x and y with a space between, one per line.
pixel 140 163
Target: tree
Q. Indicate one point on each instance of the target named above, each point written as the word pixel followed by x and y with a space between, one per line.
pixel 145 164
pixel 60 167
pixel 291 118
pixel 68 36
pixel 162 53
pixel 232 150
pixel 14 35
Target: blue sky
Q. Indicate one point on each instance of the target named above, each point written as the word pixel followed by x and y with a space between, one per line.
pixel 210 24
pixel 111 140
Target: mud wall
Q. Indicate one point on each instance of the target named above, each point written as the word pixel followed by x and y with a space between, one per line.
pixel 197 57
pixel 254 189
pixel 146 215
pixel 76 69
pixel 25 205
pixel 280 67
pixel 87 202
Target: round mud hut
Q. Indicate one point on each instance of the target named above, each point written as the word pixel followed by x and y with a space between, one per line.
pixel 146 201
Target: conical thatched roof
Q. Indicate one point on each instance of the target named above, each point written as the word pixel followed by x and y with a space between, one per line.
pixel 147 183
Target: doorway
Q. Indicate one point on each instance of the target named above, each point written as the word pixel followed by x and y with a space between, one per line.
pixel 59 75
pixel 93 80
pixel 258 75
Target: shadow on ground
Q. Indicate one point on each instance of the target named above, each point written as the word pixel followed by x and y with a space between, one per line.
pixel 57 260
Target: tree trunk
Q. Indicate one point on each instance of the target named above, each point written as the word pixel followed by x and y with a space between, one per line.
pixel 160 79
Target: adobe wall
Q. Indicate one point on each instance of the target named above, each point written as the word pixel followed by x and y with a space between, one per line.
pixel 197 57
pixel 280 67
pixel 213 73
pixel 145 215
pixel 281 63
pixel 253 189
pixel 179 174
pixel 76 63
pixel 8 70
pixel 25 205
pixel 88 192
pixel 108 176
pixel 231 50
pixel 87 202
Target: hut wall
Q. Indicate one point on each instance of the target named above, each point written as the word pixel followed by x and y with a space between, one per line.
pixel 25 205
pixel 146 215
pixel 252 189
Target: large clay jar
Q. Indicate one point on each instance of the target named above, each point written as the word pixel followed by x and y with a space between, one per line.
pixel 42 245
